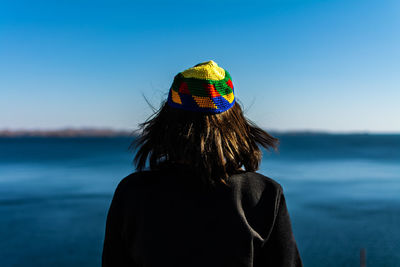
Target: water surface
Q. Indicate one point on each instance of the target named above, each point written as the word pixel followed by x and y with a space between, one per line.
pixel 343 194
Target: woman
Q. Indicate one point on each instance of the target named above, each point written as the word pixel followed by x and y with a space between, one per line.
pixel 200 203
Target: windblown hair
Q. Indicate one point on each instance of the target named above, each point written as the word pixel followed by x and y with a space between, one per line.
pixel 215 146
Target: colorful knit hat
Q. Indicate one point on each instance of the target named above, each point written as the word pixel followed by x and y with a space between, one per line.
pixel 206 87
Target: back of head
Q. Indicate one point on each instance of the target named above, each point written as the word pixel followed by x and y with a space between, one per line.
pixel 202 126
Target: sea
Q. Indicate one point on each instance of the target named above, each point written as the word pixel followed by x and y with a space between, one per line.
pixel 342 193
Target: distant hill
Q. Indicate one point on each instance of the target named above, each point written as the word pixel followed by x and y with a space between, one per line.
pixel 69 132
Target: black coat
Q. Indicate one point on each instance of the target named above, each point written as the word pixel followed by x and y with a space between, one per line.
pixel 159 218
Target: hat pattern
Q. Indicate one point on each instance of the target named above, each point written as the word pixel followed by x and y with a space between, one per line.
pixel 205 87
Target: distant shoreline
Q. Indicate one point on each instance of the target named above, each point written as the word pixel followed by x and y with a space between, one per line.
pixel 92 132
pixel 67 133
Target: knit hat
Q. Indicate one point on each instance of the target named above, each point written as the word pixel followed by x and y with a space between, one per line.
pixel 206 87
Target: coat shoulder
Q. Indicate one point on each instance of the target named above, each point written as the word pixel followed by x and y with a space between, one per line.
pixel 253 187
pixel 256 181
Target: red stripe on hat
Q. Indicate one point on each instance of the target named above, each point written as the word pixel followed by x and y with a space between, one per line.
pixel 183 88
pixel 229 83
pixel 210 89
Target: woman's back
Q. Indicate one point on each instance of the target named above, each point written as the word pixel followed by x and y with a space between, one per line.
pixel 159 218
pixel 200 202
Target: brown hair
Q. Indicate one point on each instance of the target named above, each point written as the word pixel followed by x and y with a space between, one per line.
pixel 215 146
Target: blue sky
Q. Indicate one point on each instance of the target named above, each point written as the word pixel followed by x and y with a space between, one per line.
pixel 296 65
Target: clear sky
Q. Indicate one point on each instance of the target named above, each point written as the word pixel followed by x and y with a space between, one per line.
pixel 296 65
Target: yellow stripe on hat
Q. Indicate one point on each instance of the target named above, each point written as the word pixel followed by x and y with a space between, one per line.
pixel 175 97
pixel 205 71
pixel 204 102
pixel 229 97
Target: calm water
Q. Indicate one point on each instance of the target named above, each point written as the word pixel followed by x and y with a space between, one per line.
pixel 343 194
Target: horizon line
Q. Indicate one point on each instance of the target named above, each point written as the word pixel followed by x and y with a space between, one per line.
pixel 112 131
